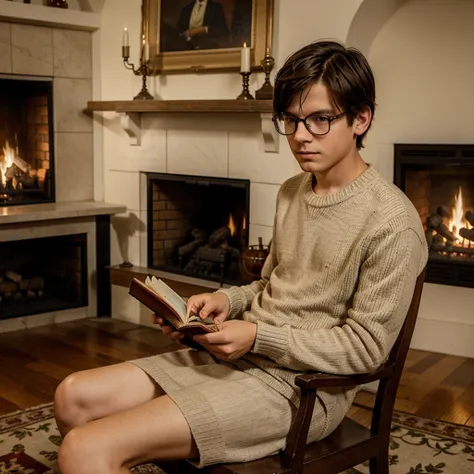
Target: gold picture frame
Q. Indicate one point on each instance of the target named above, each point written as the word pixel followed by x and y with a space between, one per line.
pixel 169 53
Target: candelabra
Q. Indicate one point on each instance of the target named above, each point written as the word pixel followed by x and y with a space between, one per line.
pixel 245 94
pixel 266 91
pixel 144 70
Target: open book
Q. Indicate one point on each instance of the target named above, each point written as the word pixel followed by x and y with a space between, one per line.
pixel 156 295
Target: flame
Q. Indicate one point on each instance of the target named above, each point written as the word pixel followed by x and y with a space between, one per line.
pixel 457 221
pixel 7 161
pixel 231 225
pixel 244 222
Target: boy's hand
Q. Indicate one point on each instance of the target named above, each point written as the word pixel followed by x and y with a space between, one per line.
pixel 233 340
pixel 213 305
pixel 166 328
pixel 210 305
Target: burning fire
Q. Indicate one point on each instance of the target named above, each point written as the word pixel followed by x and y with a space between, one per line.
pixel 457 221
pixel 6 162
pixel 231 225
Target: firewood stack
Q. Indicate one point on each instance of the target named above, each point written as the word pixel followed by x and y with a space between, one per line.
pixel 20 176
pixel 13 287
pixel 441 239
pixel 215 255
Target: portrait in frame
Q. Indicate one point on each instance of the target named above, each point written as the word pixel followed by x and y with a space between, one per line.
pixel 206 35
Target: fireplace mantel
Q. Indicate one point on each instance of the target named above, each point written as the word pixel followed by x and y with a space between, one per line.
pixel 49 16
pixel 131 111
pixel 55 211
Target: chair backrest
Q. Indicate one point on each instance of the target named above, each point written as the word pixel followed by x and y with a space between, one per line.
pixel 387 390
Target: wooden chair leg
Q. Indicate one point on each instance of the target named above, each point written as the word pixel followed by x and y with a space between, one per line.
pixel 379 464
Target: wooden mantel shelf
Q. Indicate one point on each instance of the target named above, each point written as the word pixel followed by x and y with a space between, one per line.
pixel 131 111
pixel 46 16
pixel 183 106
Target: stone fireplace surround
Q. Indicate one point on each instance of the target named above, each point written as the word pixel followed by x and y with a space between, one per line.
pixel 48 220
pixel 66 57
pixel 63 53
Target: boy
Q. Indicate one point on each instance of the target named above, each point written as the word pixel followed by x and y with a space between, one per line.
pixel 346 251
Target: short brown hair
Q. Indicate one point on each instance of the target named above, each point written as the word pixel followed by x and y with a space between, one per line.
pixel 344 71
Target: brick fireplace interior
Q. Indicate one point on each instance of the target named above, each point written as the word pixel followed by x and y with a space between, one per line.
pixel 439 180
pixel 43 275
pixel 197 226
pixel 26 144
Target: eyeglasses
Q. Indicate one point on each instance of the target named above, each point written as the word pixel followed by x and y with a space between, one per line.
pixel 315 124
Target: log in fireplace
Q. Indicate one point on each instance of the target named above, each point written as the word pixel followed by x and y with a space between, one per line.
pixel 43 275
pixel 26 141
pixel 439 180
pixel 198 226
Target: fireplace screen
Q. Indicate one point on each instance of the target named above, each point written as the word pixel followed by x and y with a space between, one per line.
pixel 198 225
pixel 439 180
pixel 26 144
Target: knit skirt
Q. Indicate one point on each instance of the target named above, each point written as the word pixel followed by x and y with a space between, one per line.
pixel 233 416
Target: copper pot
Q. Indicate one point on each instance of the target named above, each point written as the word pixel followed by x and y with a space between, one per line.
pixel 252 260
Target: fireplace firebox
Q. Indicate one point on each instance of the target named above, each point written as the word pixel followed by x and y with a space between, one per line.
pixel 439 180
pixel 26 142
pixel 43 275
pixel 198 226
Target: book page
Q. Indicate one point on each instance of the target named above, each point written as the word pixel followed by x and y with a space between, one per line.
pixel 169 295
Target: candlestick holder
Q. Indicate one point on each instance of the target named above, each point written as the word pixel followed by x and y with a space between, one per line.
pixel 144 70
pixel 245 94
pixel 266 91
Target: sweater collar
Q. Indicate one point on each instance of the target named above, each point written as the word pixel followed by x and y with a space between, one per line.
pixel 361 183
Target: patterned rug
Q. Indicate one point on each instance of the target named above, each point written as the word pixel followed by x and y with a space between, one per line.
pixel 29 442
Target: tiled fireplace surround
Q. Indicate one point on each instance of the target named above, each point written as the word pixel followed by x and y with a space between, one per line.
pixel 65 56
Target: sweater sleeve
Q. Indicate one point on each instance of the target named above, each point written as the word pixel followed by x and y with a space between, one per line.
pixel 241 297
pixel 382 298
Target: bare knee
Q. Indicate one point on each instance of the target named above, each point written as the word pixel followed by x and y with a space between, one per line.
pixel 80 453
pixel 70 408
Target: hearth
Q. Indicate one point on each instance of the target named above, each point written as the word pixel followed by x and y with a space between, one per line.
pixel 197 226
pixel 439 180
pixel 26 142
pixel 43 275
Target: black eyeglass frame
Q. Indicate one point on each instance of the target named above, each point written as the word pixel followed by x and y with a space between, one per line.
pixel 329 120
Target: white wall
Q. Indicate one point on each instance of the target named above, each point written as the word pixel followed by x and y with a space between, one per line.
pixel 424 72
pixel 214 146
pixel 422 61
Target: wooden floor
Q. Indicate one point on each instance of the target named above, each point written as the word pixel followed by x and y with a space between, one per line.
pixel 34 361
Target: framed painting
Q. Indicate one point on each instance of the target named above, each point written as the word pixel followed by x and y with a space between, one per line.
pixel 206 35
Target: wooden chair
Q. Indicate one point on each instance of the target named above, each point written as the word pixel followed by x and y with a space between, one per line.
pixel 351 443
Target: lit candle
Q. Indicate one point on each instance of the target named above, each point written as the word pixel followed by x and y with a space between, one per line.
pixel 125 37
pixel 245 59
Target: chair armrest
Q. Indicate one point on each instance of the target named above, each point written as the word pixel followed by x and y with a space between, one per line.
pixel 313 381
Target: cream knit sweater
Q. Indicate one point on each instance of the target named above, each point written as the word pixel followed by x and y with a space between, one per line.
pixel 337 284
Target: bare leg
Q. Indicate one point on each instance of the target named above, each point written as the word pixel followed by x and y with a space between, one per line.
pixel 96 393
pixel 154 430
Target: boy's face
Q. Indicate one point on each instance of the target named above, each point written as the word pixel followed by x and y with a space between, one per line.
pixel 319 153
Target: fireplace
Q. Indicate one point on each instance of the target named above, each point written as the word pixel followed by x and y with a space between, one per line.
pixel 439 180
pixel 197 226
pixel 26 142
pixel 43 275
